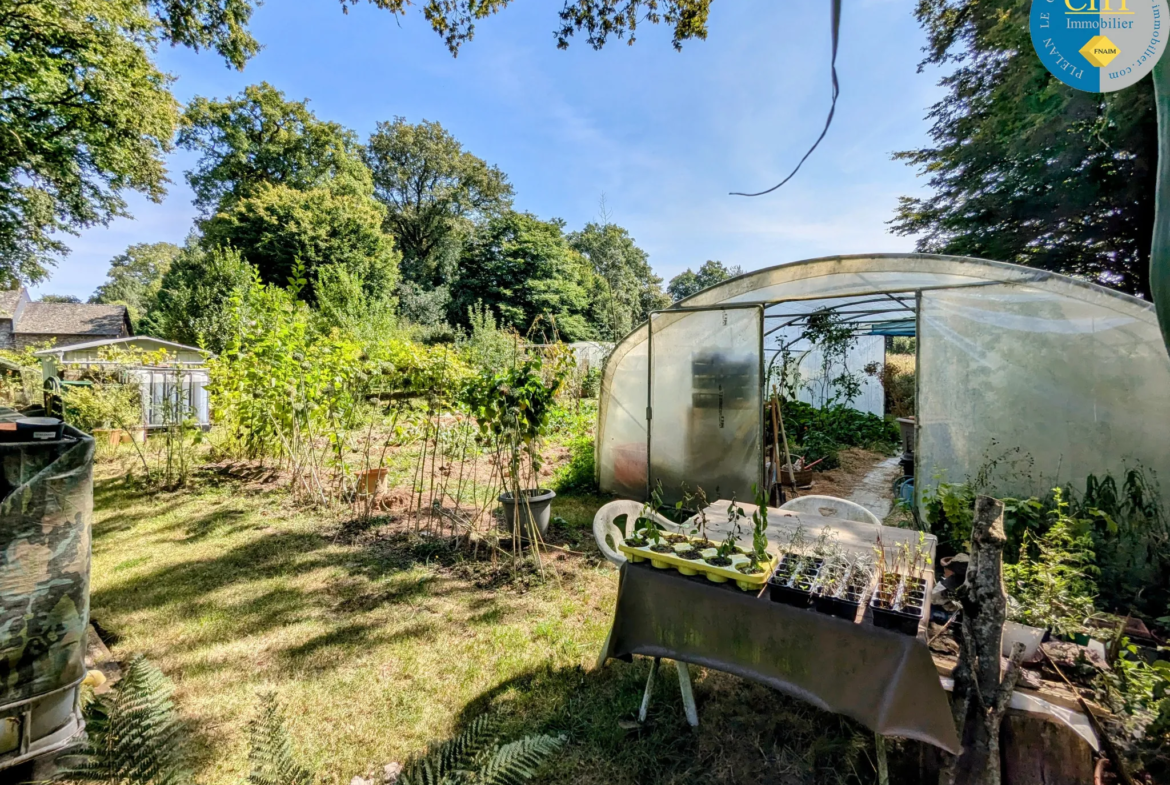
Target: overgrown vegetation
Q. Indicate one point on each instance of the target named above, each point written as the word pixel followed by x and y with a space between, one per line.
pixel 819 434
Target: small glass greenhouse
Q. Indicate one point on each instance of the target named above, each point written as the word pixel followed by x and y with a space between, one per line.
pixel 1072 375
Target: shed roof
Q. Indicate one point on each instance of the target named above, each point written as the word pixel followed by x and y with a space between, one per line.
pixel 136 340
pixel 71 319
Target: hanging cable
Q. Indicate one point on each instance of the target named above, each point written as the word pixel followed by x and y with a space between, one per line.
pixel 836 24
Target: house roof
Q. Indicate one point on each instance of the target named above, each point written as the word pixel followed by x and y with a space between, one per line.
pixel 8 301
pixel 71 319
pixel 133 339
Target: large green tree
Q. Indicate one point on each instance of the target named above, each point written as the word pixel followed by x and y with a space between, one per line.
pixel 525 271
pixel 84 117
pixel 193 305
pixel 260 138
pixel 1024 168
pixel 627 290
pixel 710 273
pixel 135 275
pixel 278 228
pixel 434 191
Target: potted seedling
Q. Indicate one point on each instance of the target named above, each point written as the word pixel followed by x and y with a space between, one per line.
pixel 758 561
pixel 656 539
pixel 843 586
pixel 793 580
pixel 512 408
pixel 721 556
pixel 899 601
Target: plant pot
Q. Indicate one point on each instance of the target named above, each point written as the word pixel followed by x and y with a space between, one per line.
pixel 535 510
pixel 840 607
pixel 111 437
pixel 1014 632
pixel 371 482
pixel 905 621
pixel 661 564
pixel 790 595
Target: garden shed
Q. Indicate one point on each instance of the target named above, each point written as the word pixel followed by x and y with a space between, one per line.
pixel 1073 376
pixel 179 364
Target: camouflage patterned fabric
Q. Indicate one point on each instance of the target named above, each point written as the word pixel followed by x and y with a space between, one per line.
pixel 45 519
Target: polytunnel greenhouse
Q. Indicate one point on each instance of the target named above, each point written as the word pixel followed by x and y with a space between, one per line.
pixel 1069 374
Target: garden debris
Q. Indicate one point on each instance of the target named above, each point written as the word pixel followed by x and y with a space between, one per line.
pixel 99 659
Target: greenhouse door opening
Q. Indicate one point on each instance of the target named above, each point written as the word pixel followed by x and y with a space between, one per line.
pixel 705 402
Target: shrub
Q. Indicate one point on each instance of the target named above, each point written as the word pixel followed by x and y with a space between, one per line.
pixel 104 404
pixel 578 475
pixel 1052 585
pixel 821 433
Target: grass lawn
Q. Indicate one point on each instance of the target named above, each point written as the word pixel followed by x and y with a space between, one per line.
pixel 378 644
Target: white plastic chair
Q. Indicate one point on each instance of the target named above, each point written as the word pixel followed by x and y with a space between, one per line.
pixel 603 526
pixel 832 507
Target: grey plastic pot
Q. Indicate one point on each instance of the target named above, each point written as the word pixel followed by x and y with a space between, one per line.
pixel 537 509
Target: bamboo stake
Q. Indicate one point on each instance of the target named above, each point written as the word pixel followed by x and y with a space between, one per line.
pixel 787 454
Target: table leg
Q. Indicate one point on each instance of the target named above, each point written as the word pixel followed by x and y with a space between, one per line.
pixel 883 770
pixel 649 689
pixel 688 697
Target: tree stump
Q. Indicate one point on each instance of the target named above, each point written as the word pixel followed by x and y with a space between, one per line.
pixel 982 692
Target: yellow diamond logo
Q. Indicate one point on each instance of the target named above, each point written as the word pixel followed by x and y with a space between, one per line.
pixel 1100 51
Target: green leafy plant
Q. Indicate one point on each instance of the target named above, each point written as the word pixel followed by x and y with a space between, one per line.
pixel 475 757
pixel 646 527
pixel 270 752
pixel 134 736
pixel 1052 586
pixel 822 433
pixel 760 526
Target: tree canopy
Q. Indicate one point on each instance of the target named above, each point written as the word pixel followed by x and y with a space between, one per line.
pixel 1024 168
pixel 84 117
pixel 524 269
pixel 259 137
pixel 135 275
pixel 628 288
pixel 278 228
pixel 193 304
pixel 433 190
pixel 710 273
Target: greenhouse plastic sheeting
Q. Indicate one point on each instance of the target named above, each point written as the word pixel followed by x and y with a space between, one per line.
pixel 45 518
pixel 621 440
pixel 1076 379
pixel 1071 373
pixel 705 403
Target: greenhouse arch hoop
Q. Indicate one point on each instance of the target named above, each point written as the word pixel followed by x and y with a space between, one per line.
pixel 1070 377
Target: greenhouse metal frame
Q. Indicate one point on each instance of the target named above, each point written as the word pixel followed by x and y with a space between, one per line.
pixel 1068 377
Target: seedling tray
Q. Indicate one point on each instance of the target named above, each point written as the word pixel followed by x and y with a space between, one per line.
pixel 905 621
pixel 711 572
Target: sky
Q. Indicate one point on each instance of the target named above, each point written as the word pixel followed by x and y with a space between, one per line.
pixel 662 136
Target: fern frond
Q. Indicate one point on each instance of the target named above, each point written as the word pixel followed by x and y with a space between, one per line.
pixel 134 733
pixel 518 761
pixel 270 754
pixel 441 764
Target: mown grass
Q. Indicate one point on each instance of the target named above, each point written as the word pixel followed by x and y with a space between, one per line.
pixel 378 645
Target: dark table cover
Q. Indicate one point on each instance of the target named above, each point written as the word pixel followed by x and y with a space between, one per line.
pixel 884 680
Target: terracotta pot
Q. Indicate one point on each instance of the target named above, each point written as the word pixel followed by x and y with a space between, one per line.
pixel 112 436
pixel 371 482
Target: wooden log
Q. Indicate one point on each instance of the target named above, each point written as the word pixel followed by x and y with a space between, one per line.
pixel 1039 750
pixel 982 691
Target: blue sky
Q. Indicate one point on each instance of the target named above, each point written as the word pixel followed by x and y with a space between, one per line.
pixel 662 135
